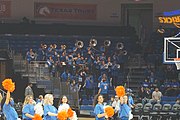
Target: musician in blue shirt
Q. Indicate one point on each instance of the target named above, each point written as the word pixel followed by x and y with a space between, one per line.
pixel 103 89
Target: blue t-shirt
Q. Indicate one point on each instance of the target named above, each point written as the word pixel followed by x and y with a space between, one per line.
pixel 99 109
pixel 124 110
pixel 104 87
pixel 52 109
pixel 28 108
pixel 9 112
pixel 131 101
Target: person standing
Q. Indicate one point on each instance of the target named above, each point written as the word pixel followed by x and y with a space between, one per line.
pixel 50 112
pixel 29 90
pixel 125 109
pixel 28 108
pixel 103 89
pixel 99 108
pixel 8 109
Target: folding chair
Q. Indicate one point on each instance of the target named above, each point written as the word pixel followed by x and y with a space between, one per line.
pixel 146 110
pixel 154 114
pixel 165 111
pixel 175 112
pixel 137 112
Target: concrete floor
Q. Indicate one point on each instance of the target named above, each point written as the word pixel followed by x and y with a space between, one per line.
pixel 85 118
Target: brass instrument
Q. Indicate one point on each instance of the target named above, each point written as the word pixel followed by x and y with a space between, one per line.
pixel 79 44
pixel 124 52
pixel 54 46
pixel 107 43
pixel 92 42
pixel 45 46
pixel 119 46
pixel 63 47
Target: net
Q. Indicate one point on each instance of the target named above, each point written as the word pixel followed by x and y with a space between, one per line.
pixel 177 63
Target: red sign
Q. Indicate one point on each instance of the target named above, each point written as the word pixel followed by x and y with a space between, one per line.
pixel 5 8
pixel 65 11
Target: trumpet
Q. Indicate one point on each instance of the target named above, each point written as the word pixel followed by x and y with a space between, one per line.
pixel 119 46
pixel 93 42
pixel 107 43
pixel 79 44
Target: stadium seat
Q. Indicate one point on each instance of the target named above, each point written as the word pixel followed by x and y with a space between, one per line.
pixel 137 112
pixel 165 111
pixel 146 110
pixel 175 112
pixel 155 111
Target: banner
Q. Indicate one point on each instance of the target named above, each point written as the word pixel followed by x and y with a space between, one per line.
pixel 5 9
pixel 172 17
pixel 65 11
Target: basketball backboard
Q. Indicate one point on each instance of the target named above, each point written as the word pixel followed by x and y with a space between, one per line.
pixel 171 49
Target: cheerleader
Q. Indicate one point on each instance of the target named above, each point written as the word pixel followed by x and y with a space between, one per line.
pixel 50 112
pixel 8 109
pixel 28 108
pixel 124 112
pixel 99 108
pixel 65 106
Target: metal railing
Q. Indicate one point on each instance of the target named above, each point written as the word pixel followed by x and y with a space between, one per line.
pixel 38 70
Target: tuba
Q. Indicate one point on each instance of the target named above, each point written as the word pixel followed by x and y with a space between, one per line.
pixel 107 43
pixel 79 44
pixel 93 42
pixel 119 46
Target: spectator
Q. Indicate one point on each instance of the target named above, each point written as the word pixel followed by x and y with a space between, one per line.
pixel 143 95
pixel 156 96
pixel 29 90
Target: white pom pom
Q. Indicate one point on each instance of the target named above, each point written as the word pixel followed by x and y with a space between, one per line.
pixel 39 109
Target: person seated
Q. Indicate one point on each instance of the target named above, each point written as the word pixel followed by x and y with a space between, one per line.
pixel 156 96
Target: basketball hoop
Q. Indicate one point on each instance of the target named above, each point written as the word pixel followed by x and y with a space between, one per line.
pixel 177 63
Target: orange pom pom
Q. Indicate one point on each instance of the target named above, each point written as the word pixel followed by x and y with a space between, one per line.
pixel 8 85
pixel 70 112
pixel 37 117
pixel 62 115
pixel 109 111
pixel 120 91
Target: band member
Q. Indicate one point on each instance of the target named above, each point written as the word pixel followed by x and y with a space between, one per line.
pixel 103 89
pixel 50 112
pixel 8 109
pixel 99 108
pixel 30 55
pixel 28 108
